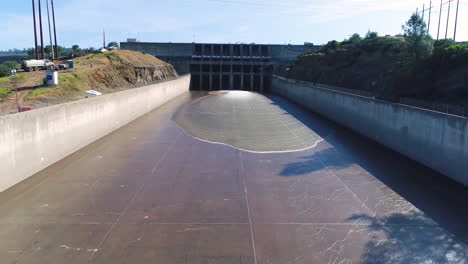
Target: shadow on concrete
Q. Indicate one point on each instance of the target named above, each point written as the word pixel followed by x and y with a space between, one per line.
pixel 439 197
pixel 417 241
pixel 312 163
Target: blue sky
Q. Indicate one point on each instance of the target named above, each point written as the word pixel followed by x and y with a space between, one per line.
pixel 259 21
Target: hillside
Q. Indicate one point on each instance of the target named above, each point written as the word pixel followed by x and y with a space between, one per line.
pixel 105 72
pixel 387 67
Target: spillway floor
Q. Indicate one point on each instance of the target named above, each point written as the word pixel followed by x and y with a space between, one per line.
pixel 159 190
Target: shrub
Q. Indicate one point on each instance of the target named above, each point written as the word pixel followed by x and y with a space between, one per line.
pixel 331 46
pixel 371 35
pixel 11 64
pixel 4 70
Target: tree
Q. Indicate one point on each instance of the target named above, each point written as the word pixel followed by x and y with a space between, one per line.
pixel 421 44
pixel 113 44
pixel 4 71
pixel 415 27
pixel 59 49
pixel 76 48
pixel 48 49
pixel 11 64
pixel 371 35
pixel 355 38
pixel 31 52
pixel 443 44
pixel 331 46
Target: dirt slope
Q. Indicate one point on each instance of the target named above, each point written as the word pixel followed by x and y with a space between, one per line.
pixel 107 72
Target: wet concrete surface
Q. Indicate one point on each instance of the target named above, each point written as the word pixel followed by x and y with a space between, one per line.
pixel 151 193
pixel 245 120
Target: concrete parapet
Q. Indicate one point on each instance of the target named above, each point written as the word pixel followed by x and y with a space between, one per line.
pixel 32 141
pixel 437 140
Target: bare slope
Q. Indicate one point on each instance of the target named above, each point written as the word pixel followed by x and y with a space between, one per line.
pixel 106 72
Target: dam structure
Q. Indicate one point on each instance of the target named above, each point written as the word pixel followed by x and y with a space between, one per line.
pixel 224 66
pixel 299 174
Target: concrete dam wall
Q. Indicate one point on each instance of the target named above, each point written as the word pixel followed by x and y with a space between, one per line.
pixel 437 140
pixel 32 141
pixel 217 66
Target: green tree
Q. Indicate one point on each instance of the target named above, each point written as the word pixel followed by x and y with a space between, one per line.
pixel 31 52
pixel 415 27
pixel 59 49
pixel 443 44
pixel 331 46
pixel 421 44
pixel 371 35
pixel 355 38
pixel 4 71
pixel 76 48
pixel 48 49
pixel 11 64
pixel 113 44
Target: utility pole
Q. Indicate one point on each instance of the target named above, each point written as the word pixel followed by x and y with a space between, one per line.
pixel 440 17
pixel 50 32
pixel 424 10
pixel 429 22
pixel 36 51
pixel 14 80
pixel 103 38
pixel 448 19
pixel 456 21
pixel 55 29
pixel 40 30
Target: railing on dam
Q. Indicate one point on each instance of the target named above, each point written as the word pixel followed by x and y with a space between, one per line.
pixel 433 106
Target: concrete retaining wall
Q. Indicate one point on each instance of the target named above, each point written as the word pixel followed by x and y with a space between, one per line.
pixel 437 140
pixel 32 141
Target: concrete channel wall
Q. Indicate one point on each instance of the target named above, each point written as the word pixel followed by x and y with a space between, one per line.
pixel 437 140
pixel 32 141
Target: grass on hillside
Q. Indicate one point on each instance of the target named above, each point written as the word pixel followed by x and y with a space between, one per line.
pixel 71 82
pixel 39 92
pixel 6 85
pixel 4 81
pixel 4 92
